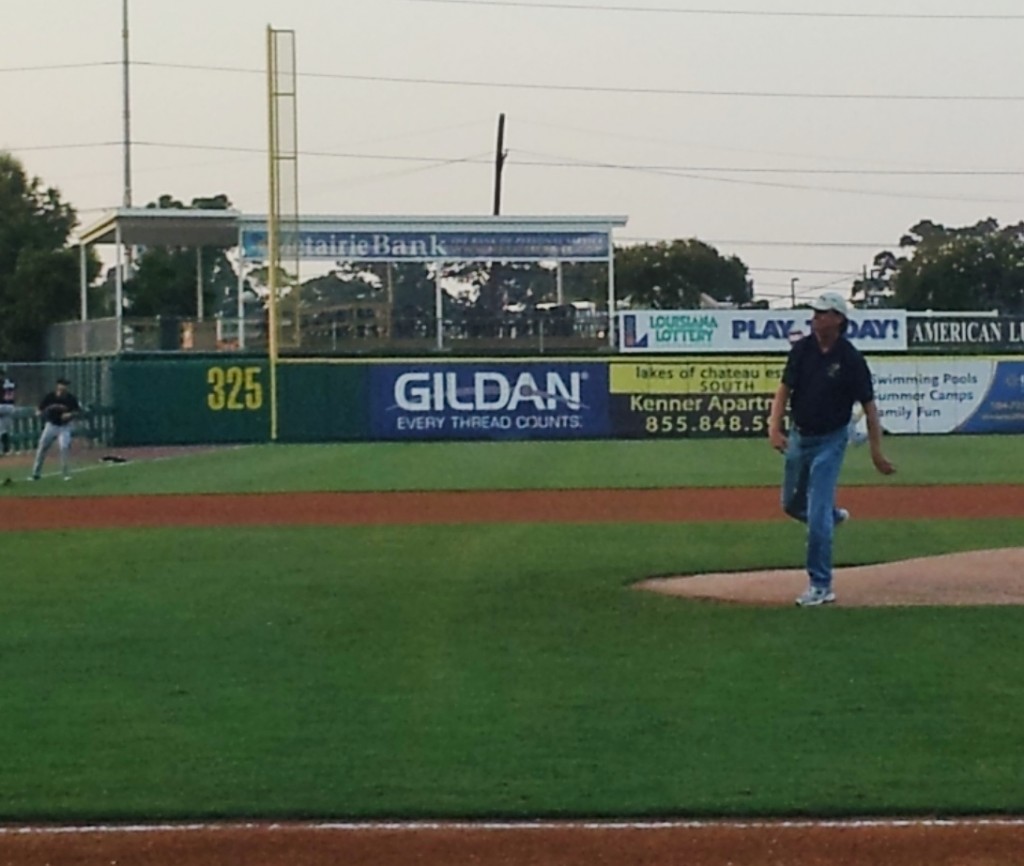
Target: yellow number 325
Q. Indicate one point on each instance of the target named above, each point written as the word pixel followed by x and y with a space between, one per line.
pixel 234 388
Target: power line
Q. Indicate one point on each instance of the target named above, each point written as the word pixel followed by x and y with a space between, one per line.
pixel 591 7
pixel 54 66
pixel 718 242
pixel 807 187
pixel 735 169
pixel 842 273
pixel 570 88
pixel 699 173
pixel 569 163
pixel 77 146
pixel 370 178
pixel 588 88
pixel 676 143
pixel 557 163
pixel 814 244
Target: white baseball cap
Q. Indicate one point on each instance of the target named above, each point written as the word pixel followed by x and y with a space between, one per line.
pixel 832 301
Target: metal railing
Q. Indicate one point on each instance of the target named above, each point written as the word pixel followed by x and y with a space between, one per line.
pixel 94 427
pixel 344 332
pixel 90 378
pixel 100 336
pixel 91 382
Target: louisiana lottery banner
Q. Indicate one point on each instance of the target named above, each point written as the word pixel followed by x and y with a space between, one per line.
pixel 750 330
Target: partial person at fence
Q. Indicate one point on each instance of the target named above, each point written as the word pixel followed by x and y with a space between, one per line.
pixel 58 410
pixel 7 409
pixel 825 375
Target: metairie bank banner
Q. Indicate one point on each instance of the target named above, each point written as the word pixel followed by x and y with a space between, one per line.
pixel 444 246
pixel 750 330
pixel 489 400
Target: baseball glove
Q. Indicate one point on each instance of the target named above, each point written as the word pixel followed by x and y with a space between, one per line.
pixel 55 414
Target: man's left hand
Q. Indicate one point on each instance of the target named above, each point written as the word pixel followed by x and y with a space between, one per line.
pixel 881 464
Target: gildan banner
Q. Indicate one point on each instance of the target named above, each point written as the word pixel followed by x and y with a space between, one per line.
pixel 489 400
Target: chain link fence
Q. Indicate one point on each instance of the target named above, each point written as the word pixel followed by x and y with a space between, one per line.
pixel 91 383
pixel 348 329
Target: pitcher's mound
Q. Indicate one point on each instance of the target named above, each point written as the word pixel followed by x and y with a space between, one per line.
pixel 976 578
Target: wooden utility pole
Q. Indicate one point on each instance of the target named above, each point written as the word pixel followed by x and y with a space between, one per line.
pixel 499 164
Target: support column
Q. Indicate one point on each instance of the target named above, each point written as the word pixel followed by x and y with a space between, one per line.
pixel 83 297
pixel 611 293
pixel 199 284
pixel 119 288
pixel 241 292
pixel 83 281
pixel 439 308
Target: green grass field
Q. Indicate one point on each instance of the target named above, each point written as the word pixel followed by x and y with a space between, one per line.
pixel 522 465
pixel 471 671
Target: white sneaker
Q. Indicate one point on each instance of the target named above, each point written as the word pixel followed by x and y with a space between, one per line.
pixel 842 515
pixel 816 596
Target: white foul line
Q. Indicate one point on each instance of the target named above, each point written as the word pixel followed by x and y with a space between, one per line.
pixel 504 826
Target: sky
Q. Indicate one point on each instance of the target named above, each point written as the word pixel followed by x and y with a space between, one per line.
pixel 802 137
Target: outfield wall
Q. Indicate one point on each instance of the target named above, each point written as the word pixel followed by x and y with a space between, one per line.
pixel 226 399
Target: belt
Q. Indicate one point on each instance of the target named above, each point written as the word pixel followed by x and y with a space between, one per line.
pixel 803 431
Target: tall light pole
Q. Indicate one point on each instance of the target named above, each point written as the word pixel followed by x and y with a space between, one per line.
pixel 792 292
pixel 127 201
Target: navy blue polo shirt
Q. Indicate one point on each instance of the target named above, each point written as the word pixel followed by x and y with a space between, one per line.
pixel 825 385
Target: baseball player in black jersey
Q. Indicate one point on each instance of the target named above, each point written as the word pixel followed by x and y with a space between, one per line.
pixel 58 409
pixel 7 391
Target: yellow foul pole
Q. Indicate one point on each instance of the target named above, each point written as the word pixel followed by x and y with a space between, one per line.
pixel 273 239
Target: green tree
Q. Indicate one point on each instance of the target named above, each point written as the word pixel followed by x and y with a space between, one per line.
pixel 585 281
pixel 672 275
pixel 39 274
pixel 874 289
pixel 164 283
pixel 977 267
pixel 333 289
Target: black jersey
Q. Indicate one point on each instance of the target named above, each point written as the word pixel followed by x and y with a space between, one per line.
pixel 54 406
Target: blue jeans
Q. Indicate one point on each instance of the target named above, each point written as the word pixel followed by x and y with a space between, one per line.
pixel 809 495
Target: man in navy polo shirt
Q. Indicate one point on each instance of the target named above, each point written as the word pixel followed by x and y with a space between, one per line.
pixel 825 375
